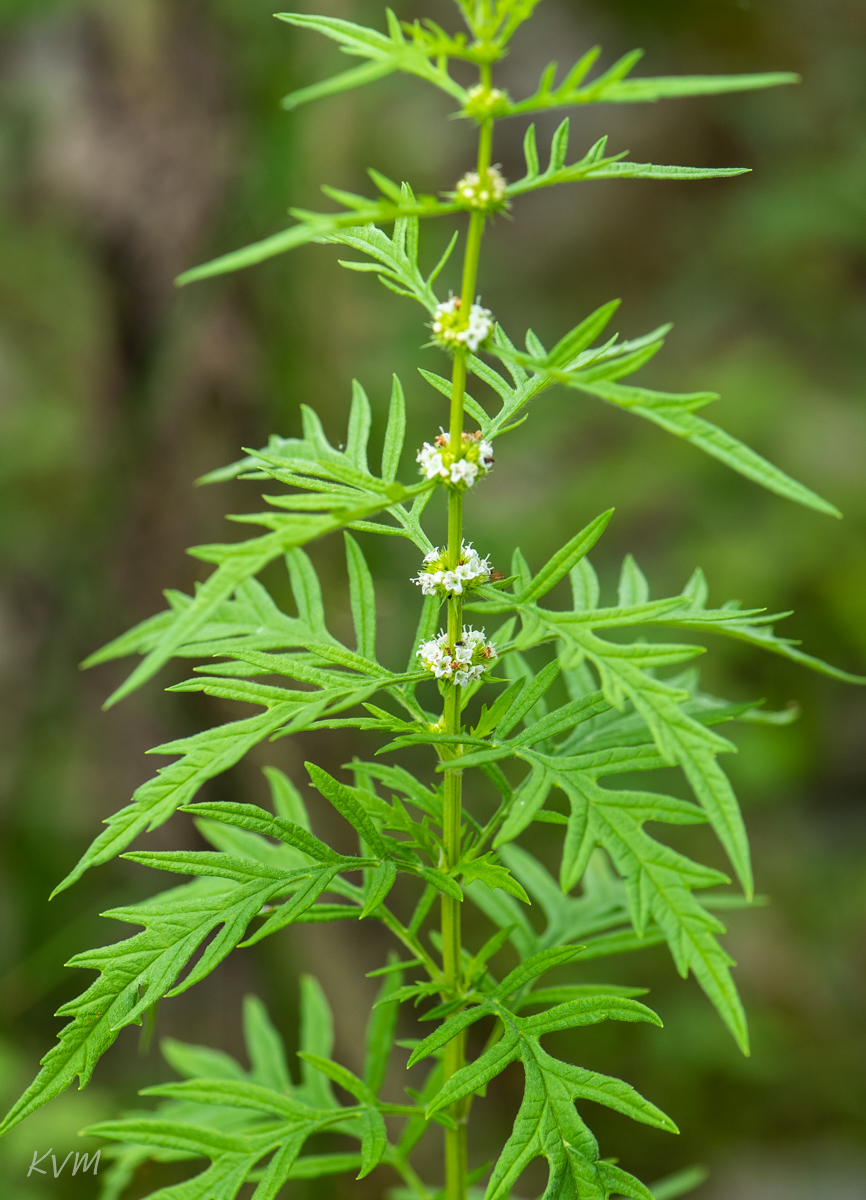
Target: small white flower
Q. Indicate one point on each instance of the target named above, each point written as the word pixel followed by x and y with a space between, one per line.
pixel 449 329
pixel 464 471
pixel 461 664
pixel 473 459
pixel 437 578
pixel 430 459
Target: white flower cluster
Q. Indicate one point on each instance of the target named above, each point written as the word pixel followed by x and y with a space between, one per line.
pixel 435 579
pixel 461 469
pixel 483 101
pixel 461 664
pixel 451 331
pixel 487 192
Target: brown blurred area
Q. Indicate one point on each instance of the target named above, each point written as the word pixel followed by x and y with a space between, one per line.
pixel 140 137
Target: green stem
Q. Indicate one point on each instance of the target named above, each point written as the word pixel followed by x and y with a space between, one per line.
pixel 455 1139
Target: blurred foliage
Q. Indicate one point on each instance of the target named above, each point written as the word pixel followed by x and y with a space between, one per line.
pixel 138 138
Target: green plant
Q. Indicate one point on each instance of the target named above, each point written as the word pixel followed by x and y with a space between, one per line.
pixel 574 708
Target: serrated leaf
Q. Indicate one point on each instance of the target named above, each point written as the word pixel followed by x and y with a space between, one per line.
pixel 134 974
pixel 535 965
pixel 363 599
pixel 493 875
pixel 547 1123
pixel 203 756
pixel 381 1029
pixel 348 806
pixel 395 433
pixel 344 82
pixel 265 1047
pixel 528 698
pixel 316 1038
pixel 528 799
pixel 192 1061
pixel 286 798
pixel 679 1184
pixel 374 1140
pixel 633 586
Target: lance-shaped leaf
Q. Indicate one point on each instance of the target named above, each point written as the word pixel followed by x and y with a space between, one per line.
pixel 679 1184
pixel 236 1118
pixel 250 618
pixel 360 211
pixel 602 909
pixel 614 86
pixel 265 1048
pixel 203 756
pixel 596 164
pixel 387 54
pixel 659 880
pixel 363 599
pixel 395 433
pixel 134 974
pixel 381 1029
pixel 353 495
pixel 555 569
pixel 548 1124
pixel 731 621
pixel 597 373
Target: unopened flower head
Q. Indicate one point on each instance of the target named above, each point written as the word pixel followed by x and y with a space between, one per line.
pixel 486 191
pixel 462 663
pixel 459 468
pixel 484 102
pixel 437 579
pixel 451 330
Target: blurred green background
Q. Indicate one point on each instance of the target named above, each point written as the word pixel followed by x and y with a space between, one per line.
pixel 138 137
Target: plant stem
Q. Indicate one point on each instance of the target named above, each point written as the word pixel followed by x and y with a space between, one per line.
pixel 455 1139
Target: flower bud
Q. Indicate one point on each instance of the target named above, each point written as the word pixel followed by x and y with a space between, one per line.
pixel 484 102
pixel 485 192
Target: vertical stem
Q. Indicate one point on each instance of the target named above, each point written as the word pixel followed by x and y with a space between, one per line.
pixel 455 1139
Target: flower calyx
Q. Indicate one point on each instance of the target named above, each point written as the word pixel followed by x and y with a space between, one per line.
pixel 456 468
pixel 483 102
pixel 453 330
pixel 485 192
pixel 460 664
pixel 437 579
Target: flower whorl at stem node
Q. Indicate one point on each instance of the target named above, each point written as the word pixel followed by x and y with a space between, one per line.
pixel 451 330
pixel 458 469
pixel 436 579
pixel 485 191
pixel 462 663
pixel 484 102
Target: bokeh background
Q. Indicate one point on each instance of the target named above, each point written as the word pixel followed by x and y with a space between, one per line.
pixel 138 137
